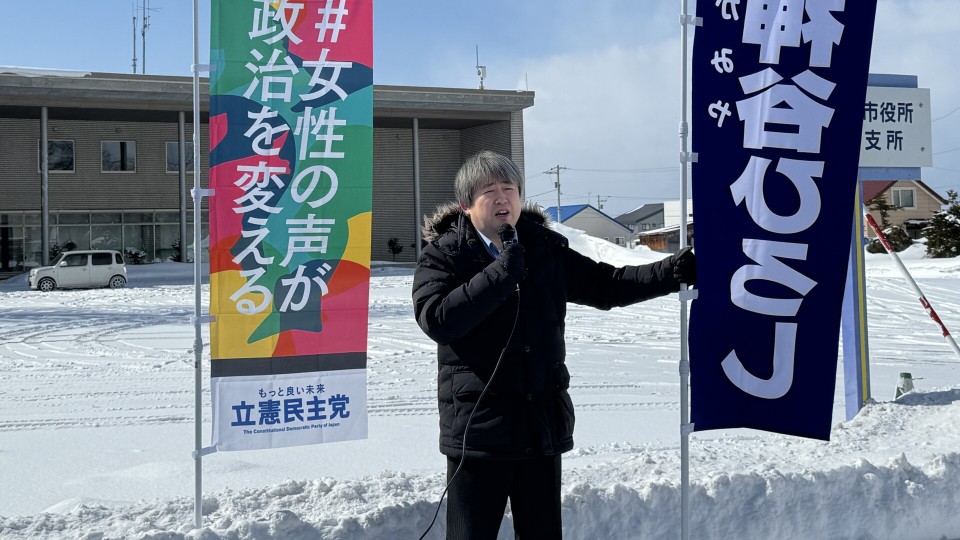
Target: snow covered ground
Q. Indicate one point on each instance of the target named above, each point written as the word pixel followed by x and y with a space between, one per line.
pixel 96 428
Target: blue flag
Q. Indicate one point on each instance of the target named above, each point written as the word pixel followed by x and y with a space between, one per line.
pixel 777 108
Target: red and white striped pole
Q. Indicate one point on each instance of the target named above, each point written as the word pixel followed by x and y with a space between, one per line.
pixel 913 284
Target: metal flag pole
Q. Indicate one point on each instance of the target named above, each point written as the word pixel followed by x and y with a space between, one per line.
pixel 913 284
pixel 197 315
pixel 198 318
pixel 686 157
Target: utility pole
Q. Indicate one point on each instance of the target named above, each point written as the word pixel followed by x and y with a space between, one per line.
pixel 556 170
pixel 600 202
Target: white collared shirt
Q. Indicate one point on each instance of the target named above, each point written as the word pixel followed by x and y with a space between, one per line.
pixel 492 248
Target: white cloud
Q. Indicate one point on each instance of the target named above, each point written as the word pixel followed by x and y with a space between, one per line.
pixel 616 108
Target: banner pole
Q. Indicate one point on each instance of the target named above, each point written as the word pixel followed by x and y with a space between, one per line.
pixel 913 284
pixel 685 157
pixel 197 319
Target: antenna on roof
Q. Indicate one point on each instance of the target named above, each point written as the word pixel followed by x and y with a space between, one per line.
pixel 481 70
pixel 134 8
pixel 143 33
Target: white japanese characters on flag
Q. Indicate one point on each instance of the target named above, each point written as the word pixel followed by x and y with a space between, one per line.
pixel 775 168
pixel 773 30
pixel 275 81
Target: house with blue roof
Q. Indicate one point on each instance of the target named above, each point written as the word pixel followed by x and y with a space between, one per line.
pixel 591 221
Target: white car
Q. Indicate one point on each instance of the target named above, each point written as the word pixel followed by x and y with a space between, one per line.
pixel 81 269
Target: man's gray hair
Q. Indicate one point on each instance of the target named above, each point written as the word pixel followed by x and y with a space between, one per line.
pixel 480 168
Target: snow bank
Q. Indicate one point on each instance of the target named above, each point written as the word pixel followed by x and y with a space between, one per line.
pixel 897 500
pixel 862 500
pixel 608 252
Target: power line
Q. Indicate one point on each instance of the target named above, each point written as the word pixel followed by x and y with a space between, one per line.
pixel 606 197
pixel 610 171
pixel 599 201
pixel 628 171
pixel 946 115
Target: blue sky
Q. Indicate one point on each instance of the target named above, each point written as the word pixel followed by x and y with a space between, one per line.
pixel 605 73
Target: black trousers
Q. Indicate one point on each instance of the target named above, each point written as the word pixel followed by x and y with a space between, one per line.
pixel 478 497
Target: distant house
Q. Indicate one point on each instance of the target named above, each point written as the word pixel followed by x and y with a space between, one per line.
pixel 654 216
pixel 591 221
pixel 644 218
pixel 916 203
pixel 665 239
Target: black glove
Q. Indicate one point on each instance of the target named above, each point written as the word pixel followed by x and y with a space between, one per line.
pixel 512 260
pixel 684 264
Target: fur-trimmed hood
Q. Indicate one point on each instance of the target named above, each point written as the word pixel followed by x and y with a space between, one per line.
pixel 448 215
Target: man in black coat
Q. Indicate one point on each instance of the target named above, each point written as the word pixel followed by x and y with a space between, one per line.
pixel 497 315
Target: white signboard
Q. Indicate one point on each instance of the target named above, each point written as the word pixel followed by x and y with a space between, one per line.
pixel 288 410
pixel 896 128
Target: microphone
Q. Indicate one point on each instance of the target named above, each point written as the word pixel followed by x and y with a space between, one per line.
pixel 507 234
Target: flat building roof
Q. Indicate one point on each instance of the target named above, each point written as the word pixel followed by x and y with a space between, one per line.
pixel 150 98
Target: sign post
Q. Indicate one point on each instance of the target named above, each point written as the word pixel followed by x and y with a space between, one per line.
pixel 895 143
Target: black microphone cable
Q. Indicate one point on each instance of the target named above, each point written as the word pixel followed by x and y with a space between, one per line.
pixel 463 452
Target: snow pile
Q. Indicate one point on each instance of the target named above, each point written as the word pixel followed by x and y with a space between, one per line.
pixel 608 252
pixel 632 496
pixel 96 427
pixel 897 500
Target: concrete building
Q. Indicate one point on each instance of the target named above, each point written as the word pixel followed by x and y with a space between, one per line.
pixel 115 178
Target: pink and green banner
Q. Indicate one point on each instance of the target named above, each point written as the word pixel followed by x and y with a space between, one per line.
pixel 291 166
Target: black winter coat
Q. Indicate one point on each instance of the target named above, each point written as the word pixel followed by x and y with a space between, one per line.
pixel 467 302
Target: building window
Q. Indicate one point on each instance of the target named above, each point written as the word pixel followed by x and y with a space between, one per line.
pixel 59 156
pixel 904 198
pixel 118 156
pixel 173 157
pixel 620 241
